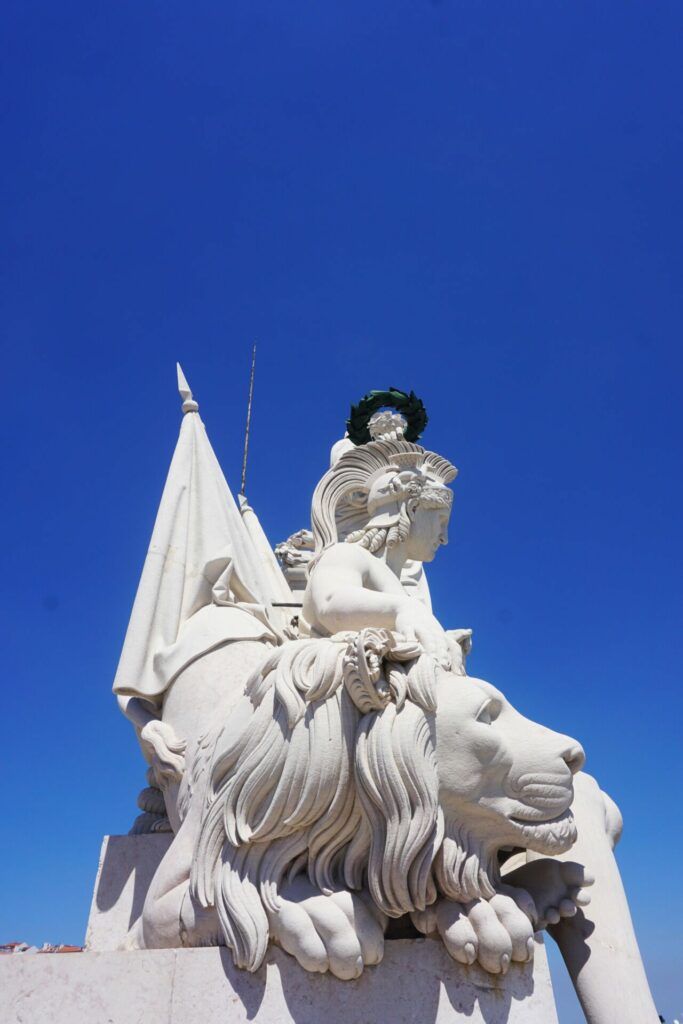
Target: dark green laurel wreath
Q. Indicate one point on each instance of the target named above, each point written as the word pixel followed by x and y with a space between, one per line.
pixel 409 406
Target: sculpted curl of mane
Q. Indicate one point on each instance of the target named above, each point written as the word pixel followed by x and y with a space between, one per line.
pixel 316 782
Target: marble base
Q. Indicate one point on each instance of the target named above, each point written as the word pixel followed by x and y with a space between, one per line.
pixel 416 982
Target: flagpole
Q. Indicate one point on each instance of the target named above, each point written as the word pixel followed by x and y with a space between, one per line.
pixel 246 432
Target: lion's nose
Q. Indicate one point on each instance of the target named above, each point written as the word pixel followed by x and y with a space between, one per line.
pixel 574 757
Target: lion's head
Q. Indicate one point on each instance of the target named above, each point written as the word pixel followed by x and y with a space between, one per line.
pixel 364 765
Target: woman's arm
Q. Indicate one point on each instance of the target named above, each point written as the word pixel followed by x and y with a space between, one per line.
pixel 338 600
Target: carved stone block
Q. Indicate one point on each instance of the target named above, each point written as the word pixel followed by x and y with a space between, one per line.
pixel 417 981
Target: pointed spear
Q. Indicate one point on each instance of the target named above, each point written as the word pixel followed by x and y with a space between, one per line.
pixel 189 404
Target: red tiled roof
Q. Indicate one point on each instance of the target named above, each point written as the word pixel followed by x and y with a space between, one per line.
pixel 10 947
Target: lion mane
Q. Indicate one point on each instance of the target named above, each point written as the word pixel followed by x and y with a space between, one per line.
pixel 334 775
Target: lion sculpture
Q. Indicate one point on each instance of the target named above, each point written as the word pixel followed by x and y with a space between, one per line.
pixel 357 781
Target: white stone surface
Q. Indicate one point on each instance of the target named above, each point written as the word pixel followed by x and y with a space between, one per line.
pixel 86 988
pixel 417 982
pixel 125 871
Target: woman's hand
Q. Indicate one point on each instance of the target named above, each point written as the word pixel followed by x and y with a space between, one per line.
pixel 166 753
pixel 460 645
pixel 416 623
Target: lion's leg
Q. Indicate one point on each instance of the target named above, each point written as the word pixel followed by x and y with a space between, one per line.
pixel 159 925
pixel 170 918
pixel 598 944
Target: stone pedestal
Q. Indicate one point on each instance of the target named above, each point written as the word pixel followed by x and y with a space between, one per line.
pixel 417 982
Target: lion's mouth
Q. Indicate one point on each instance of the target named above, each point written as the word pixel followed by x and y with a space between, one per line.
pixel 554 835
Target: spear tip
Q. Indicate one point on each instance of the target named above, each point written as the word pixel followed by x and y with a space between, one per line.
pixel 189 404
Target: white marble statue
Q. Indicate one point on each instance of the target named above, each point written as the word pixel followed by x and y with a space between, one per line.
pixel 328 772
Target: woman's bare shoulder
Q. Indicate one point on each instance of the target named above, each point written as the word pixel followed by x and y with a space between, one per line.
pixel 345 554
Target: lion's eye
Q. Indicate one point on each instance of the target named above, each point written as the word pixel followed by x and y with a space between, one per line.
pixel 489 711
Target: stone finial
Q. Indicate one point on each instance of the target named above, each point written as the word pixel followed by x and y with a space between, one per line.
pixel 189 404
pixel 387 426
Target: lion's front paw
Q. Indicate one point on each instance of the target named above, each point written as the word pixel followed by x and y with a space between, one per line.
pixel 336 932
pixel 492 932
pixel 556 886
pixel 503 933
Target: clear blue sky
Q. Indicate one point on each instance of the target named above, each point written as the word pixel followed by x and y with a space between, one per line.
pixel 479 201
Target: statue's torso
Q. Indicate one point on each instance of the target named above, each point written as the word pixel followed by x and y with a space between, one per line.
pixel 350 565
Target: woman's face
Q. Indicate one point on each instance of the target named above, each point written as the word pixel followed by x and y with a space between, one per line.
pixel 428 531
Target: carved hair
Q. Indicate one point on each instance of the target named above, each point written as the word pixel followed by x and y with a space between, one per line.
pixel 344 489
pixel 334 775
